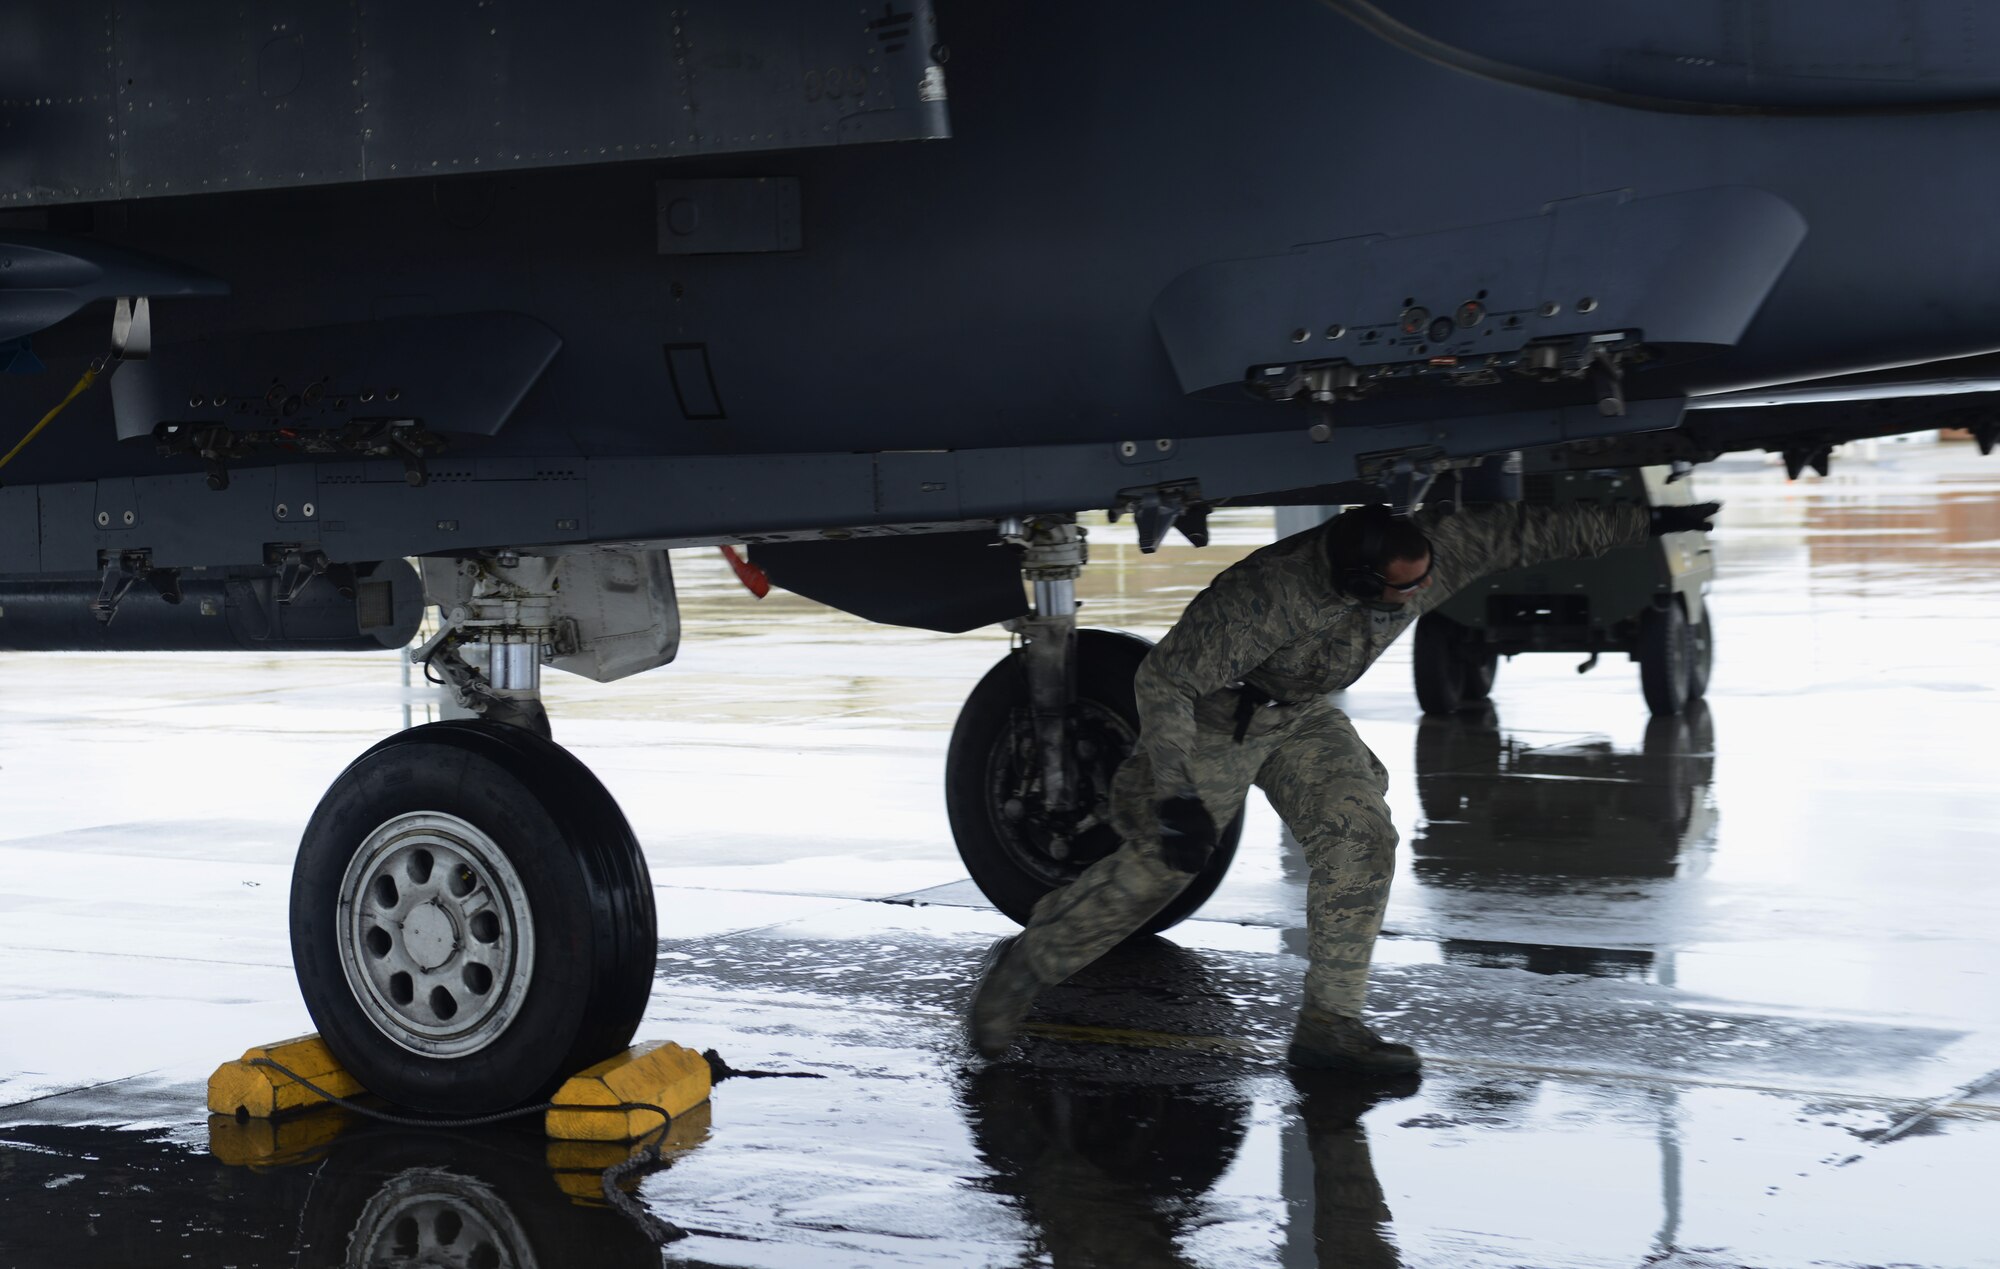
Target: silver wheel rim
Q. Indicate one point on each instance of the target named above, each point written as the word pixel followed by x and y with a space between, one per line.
pixel 436 937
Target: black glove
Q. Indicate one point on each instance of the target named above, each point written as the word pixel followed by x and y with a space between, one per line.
pixel 1696 517
pixel 1187 834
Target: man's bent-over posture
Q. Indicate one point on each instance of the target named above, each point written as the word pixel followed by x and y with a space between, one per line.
pixel 1235 695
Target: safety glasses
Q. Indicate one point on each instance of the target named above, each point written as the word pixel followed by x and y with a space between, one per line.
pixel 1410 588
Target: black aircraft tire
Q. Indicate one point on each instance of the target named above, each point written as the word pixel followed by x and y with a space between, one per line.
pixel 1007 857
pixel 490 872
pixel 1701 653
pixel 1438 665
pixel 1663 659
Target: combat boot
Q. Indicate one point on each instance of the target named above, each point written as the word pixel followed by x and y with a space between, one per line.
pixel 1006 989
pixel 1335 1042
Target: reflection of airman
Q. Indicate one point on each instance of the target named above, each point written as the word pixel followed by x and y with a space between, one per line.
pixel 1112 1170
pixel 1235 695
pixel 1350 1217
pixel 1107 1172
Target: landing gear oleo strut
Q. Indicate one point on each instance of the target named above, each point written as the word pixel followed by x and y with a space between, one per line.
pixel 1028 775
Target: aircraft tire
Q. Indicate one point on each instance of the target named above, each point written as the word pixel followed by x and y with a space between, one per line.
pixel 472 919
pixel 1664 655
pixel 1008 856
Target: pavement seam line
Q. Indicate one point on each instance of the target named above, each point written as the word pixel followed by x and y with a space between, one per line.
pixel 81 1088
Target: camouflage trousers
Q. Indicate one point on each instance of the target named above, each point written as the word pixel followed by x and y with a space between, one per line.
pixel 1325 785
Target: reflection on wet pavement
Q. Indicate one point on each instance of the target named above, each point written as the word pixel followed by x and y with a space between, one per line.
pixel 1103 1172
pixel 1503 812
pixel 1502 808
pixel 347 1192
pixel 1717 991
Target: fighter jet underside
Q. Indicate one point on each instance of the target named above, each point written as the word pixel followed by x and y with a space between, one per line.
pixel 300 292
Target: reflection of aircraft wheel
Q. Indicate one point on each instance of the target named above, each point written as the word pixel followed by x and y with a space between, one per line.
pixel 472 920
pixel 1664 653
pixel 426 1197
pixel 1451 666
pixel 434 1217
pixel 1701 653
pixel 1015 850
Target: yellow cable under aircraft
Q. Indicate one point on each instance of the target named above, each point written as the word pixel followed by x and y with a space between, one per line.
pixel 89 377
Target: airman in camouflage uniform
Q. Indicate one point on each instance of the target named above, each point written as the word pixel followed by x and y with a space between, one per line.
pixel 1279 623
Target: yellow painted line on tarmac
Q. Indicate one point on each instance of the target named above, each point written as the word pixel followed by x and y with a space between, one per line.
pixel 1955 1105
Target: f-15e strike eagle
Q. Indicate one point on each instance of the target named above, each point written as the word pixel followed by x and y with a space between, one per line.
pixel 532 293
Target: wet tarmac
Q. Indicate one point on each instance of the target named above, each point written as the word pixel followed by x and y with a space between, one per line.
pixel 1721 991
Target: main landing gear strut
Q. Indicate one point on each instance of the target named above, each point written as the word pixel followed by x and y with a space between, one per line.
pixel 1029 772
pixel 472 919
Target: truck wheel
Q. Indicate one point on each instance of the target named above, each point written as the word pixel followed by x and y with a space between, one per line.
pixel 1701 653
pixel 1481 665
pixel 1664 655
pixel 1452 668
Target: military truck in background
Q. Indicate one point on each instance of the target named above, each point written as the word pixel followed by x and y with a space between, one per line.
pixel 1649 602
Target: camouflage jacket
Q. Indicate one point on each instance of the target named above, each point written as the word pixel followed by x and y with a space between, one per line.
pixel 1275 620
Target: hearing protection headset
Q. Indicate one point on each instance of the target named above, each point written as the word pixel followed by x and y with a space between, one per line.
pixel 1360 574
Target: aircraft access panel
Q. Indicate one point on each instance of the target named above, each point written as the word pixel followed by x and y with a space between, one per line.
pixel 152 98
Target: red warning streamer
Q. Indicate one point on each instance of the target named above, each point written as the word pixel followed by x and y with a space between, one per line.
pixel 749 574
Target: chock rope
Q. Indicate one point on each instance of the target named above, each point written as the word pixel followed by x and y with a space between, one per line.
pixel 659 1230
pixel 89 377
